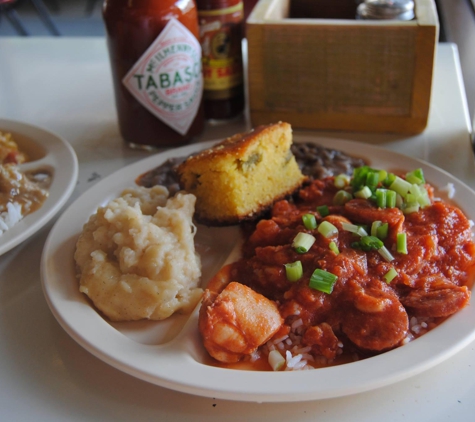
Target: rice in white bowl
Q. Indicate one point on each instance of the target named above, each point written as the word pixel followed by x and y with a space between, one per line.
pixel 19 196
pixel 9 216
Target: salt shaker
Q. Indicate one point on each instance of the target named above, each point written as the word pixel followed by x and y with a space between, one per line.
pixel 386 10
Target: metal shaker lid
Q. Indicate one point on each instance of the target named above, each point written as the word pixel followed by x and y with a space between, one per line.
pixel 386 9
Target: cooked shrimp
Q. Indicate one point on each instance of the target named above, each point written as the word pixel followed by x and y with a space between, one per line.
pixel 236 322
pixel 220 280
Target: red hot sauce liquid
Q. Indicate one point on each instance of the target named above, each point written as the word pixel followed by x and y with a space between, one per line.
pixel 132 26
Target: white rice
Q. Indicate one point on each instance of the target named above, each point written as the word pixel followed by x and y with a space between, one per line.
pixel 297 356
pixel 449 189
pixel 417 327
pixel 280 339
pixel 10 216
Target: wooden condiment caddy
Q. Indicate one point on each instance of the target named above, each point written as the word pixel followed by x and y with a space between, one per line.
pixel 340 74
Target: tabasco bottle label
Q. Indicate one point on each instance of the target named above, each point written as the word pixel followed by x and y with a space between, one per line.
pixel 167 79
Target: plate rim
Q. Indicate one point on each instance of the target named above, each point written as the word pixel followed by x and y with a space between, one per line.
pixel 57 151
pixel 254 386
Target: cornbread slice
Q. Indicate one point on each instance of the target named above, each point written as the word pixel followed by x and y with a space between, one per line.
pixel 242 176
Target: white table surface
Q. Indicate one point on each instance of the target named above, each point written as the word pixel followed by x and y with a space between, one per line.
pixel 64 85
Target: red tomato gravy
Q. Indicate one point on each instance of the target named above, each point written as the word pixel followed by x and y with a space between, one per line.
pixel 364 315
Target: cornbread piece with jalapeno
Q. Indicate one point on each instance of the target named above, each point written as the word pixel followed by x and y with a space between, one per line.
pixel 242 176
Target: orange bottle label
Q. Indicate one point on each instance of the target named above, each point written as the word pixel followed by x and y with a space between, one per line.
pixel 221 35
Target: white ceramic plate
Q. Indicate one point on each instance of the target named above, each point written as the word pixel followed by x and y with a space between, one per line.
pixel 46 151
pixel 170 354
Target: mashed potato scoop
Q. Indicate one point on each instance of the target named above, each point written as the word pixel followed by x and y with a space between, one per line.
pixel 136 257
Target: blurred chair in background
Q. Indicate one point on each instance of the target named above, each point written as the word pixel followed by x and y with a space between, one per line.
pixel 8 9
pixel 45 16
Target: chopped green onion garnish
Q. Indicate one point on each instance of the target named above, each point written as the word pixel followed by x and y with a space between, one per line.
pixel 327 229
pixel 276 360
pixel 390 275
pixel 412 198
pixel 383 174
pixel 293 271
pixel 400 186
pixel 374 227
pixel 385 254
pixel 372 179
pixel 341 181
pixel 323 210
pixel 424 200
pixel 413 179
pixel 390 199
pixel 342 197
pixel 381 198
pixel 418 194
pixel 371 243
pixel 303 242
pixel 353 228
pixel 391 177
pixel 399 201
pixel 416 176
pixel 401 244
pixel 415 189
pixel 382 231
pixel 359 177
pixel 334 248
pixel 368 243
pixel 323 281
pixel 309 221
pixel 410 207
pixel 364 193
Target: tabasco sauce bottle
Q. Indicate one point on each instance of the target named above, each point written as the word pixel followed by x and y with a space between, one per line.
pixel 221 32
pixel 155 58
